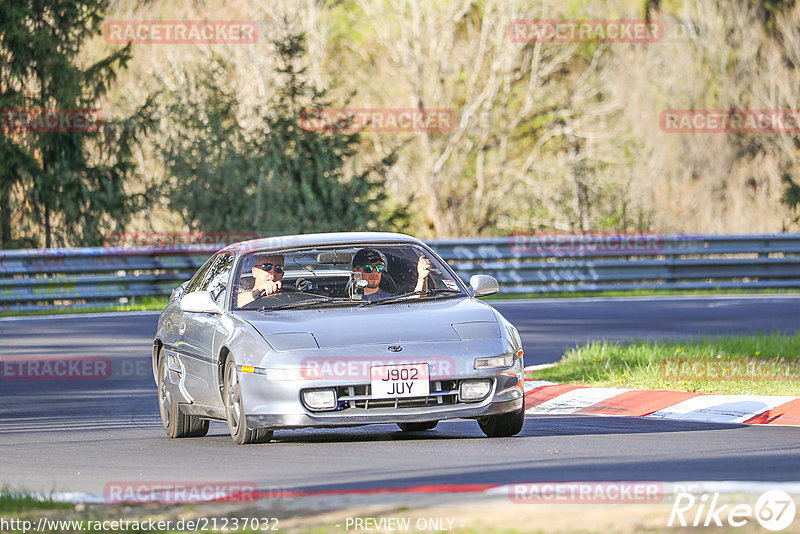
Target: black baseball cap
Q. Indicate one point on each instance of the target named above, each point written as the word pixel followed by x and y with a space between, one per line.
pixel 367 256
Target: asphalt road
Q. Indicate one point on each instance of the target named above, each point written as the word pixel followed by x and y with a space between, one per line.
pixel 82 435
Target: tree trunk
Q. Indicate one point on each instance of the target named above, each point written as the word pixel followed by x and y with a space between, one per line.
pixel 47 239
pixel 5 216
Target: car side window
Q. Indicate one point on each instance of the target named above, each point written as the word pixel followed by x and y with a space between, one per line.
pixel 199 276
pixel 216 280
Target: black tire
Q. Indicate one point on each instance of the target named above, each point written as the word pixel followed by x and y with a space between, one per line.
pixel 176 423
pixel 234 410
pixel 417 427
pixel 504 425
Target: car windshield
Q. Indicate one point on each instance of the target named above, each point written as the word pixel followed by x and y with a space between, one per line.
pixel 362 274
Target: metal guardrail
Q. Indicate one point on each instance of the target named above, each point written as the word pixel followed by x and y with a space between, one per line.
pixel 48 278
pixel 86 277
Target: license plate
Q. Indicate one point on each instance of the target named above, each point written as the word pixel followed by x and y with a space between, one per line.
pixel 394 381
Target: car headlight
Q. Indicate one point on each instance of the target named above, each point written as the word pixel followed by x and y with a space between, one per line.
pixel 474 390
pixel 497 362
pixel 320 399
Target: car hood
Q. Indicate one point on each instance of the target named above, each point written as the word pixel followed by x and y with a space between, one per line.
pixel 423 321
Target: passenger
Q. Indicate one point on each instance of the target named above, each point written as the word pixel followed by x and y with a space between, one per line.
pixel 267 275
pixel 370 264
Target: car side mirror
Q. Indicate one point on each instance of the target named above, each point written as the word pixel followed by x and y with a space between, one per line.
pixel 482 285
pixel 199 302
pixel 177 293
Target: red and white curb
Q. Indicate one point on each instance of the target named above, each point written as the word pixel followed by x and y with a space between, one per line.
pixel 548 398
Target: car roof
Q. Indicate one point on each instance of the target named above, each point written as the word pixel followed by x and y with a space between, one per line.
pixel 333 238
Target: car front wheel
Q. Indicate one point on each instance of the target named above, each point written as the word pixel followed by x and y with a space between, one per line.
pixel 504 425
pixel 234 410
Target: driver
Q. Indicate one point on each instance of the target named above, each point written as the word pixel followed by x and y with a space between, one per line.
pixel 370 264
pixel 267 275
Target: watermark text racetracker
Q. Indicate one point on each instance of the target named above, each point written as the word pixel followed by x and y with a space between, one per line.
pixel 181 31
pixel 586 492
pixel 39 120
pixel 730 121
pixel 352 120
pixel 584 31
pixel 176 241
pixel 584 242
pixel 181 492
pixel 354 368
pixel 18 368
pixel 729 369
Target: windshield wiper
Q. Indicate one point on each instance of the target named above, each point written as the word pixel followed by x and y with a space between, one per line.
pixel 303 303
pixel 405 296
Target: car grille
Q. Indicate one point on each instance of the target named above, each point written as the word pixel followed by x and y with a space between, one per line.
pixel 442 393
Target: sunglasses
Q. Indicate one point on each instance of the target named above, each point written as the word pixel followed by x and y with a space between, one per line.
pixel 369 268
pixel 271 266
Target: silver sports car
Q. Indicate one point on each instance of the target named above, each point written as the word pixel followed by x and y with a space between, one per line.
pixel 330 330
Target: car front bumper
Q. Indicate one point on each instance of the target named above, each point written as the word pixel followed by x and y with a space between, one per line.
pixel 277 405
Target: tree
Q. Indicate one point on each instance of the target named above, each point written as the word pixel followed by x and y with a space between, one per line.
pixel 212 172
pixel 274 178
pixel 16 161
pixel 312 183
pixel 791 197
pixel 72 180
pixel 515 107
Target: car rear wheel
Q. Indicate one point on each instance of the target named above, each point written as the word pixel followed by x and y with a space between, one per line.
pixel 234 410
pixel 417 427
pixel 176 423
pixel 504 425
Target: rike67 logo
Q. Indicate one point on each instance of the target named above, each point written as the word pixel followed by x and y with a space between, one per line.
pixel 774 510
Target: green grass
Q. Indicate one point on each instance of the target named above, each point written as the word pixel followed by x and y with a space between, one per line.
pixel 639 293
pixel 136 304
pixel 767 364
pixel 18 501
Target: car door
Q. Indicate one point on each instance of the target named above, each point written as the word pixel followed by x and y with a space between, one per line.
pixel 201 328
pixel 175 322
